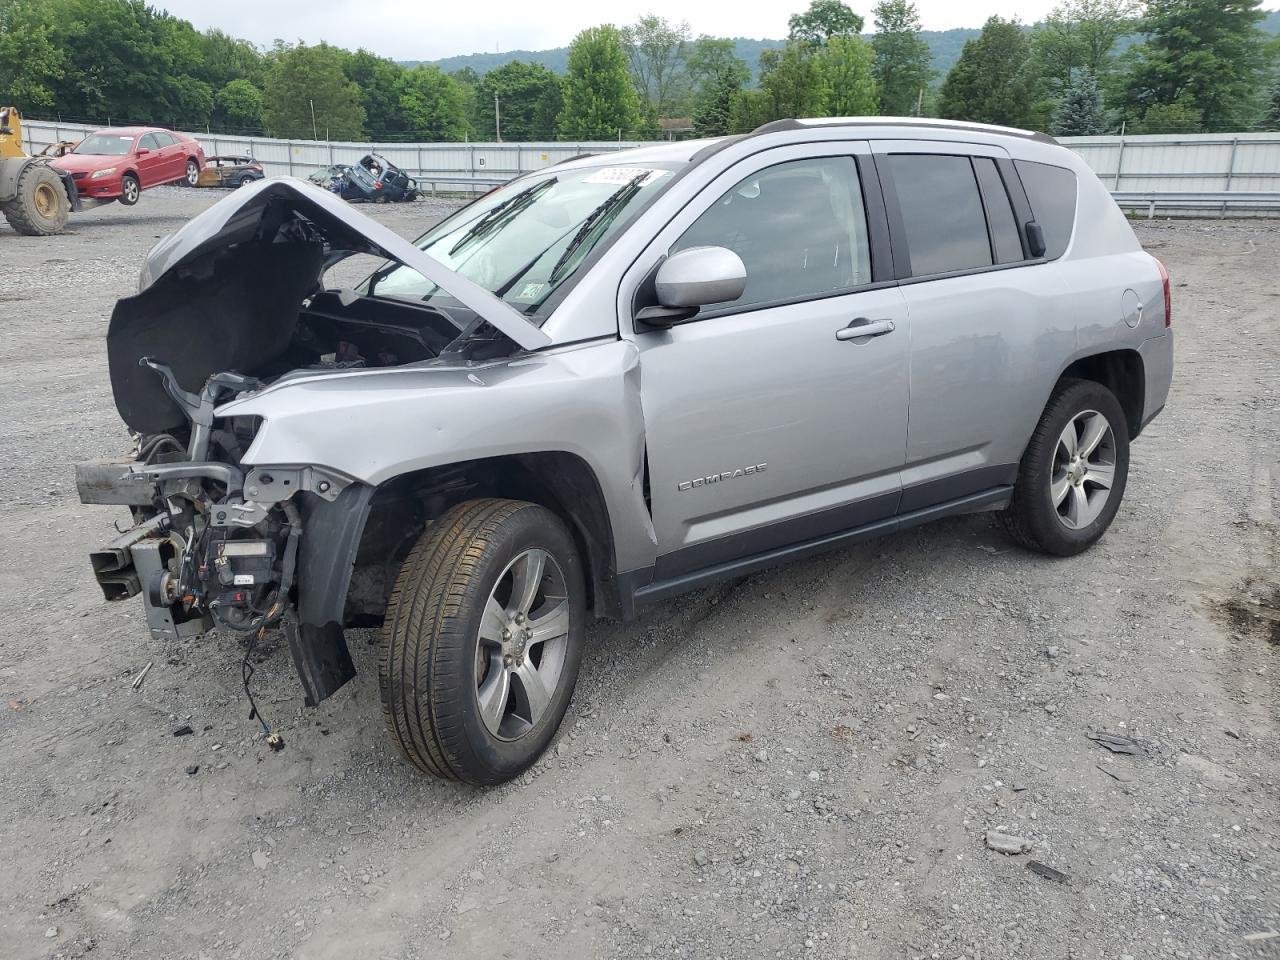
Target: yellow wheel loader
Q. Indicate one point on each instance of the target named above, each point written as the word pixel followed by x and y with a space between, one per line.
pixel 34 197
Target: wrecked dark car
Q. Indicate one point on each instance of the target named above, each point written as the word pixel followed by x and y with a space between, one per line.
pixel 374 180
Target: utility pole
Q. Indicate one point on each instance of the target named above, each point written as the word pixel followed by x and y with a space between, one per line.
pixel 497 120
pixel 315 134
pixel 920 102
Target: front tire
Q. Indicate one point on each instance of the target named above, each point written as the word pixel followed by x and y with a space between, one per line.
pixel 40 205
pixel 482 641
pixel 130 190
pixel 1073 473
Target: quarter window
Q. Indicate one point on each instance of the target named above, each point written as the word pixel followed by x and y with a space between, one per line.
pixel 1052 192
pixel 800 228
pixel 941 212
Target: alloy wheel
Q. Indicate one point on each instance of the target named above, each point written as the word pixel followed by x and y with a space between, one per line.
pixel 523 639
pixel 1084 469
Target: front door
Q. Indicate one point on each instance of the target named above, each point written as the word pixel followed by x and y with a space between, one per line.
pixel 151 165
pixel 766 425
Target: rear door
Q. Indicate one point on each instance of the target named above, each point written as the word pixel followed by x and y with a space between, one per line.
pixel 175 157
pixel 766 426
pixel 989 322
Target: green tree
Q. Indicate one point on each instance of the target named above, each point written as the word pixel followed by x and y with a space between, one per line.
pixel 793 81
pixel 1204 55
pixel 656 51
pixel 902 69
pixel 1181 116
pixel 750 109
pixel 717 76
pixel 379 81
pixel 1077 38
pixel 432 105
pixel 31 62
pixel 303 77
pixel 239 106
pixel 529 99
pixel 847 66
pixel 993 81
pixel 1080 112
pixel 823 20
pixel 599 99
pixel 223 58
pixel 1271 109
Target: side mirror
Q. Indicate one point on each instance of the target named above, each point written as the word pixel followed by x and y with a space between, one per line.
pixel 143 151
pixel 691 279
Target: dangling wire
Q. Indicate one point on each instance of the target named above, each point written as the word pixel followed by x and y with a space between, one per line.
pixel 274 740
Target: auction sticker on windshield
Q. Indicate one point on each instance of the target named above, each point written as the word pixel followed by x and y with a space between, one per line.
pixel 621 175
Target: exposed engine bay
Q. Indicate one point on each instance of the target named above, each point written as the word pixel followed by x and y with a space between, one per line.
pixel 228 305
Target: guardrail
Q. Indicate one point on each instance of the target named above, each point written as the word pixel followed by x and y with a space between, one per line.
pixel 1213 200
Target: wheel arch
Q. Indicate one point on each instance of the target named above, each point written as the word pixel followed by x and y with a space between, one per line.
pixel 1123 373
pixel 401 507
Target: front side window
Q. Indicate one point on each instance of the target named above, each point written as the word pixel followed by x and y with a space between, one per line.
pixel 105 145
pixel 524 241
pixel 800 228
pixel 941 212
pixel 149 142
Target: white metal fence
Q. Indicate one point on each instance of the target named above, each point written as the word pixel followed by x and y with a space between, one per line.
pixel 1150 166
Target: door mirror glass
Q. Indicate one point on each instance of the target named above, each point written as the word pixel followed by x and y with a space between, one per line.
pixel 142 151
pixel 700 275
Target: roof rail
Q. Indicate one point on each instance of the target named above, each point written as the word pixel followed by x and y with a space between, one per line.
pixel 927 123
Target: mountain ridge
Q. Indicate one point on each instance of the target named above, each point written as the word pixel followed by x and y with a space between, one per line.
pixel 944 44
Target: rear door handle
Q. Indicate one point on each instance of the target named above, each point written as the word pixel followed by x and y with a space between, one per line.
pixel 864 328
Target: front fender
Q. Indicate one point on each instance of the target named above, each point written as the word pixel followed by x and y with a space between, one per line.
pixel 377 424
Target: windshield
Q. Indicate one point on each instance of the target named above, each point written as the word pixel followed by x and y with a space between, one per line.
pixel 524 240
pixel 105 145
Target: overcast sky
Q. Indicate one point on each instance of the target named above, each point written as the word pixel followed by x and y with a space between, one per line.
pixel 428 31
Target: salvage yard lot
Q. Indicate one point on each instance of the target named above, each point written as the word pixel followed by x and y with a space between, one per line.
pixel 803 763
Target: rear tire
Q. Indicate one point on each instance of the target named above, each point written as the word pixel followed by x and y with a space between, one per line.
pixel 130 189
pixel 482 641
pixel 1072 476
pixel 193 174
pixel 40 205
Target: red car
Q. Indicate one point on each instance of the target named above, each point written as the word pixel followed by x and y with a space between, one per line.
pixel 118 164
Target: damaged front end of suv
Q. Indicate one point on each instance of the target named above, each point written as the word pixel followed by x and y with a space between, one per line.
pixel 230 307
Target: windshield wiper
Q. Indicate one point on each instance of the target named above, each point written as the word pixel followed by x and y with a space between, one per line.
pixel 612 203
pixel 505 210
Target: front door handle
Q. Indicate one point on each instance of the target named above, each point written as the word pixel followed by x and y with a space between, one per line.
pixel 864 328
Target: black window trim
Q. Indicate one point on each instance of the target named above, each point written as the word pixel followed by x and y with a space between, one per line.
pixel 987 201
pixel 898 230
pixel 879 250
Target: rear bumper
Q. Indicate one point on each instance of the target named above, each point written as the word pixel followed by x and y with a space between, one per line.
pixel 1157 366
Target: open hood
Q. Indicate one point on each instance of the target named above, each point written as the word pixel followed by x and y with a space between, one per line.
pixel 224 292
pixel 241 216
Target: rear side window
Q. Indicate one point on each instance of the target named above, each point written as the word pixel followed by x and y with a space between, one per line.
pixel 1006 244
pixel 1052 193
pixel 941 212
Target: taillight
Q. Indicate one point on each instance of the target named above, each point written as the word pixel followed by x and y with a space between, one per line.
pixel 1168 295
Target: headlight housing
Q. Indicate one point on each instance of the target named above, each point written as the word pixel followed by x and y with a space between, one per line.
pixel 106 172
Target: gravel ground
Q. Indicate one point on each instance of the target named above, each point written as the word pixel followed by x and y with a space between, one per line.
pixel 803 763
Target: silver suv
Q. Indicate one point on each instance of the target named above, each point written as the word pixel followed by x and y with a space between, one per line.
pixel 609 382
